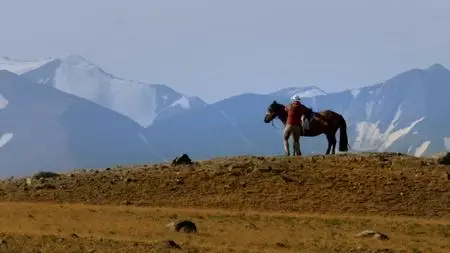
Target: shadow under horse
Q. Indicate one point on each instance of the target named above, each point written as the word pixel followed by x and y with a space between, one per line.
pixel 325 122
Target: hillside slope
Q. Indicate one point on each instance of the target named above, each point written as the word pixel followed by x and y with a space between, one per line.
pixel 376 184
pixel 43 128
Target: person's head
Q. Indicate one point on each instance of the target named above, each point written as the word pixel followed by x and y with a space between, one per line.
pixel 296 98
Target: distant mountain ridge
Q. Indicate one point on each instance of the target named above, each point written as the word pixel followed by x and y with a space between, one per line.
pixel 403 114
pixel 75 75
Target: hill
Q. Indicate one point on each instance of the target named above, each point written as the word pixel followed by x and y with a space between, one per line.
pixel 378 184
pixel 43 128
pixel 240 204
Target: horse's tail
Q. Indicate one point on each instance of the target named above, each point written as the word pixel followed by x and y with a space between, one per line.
pixel 343 138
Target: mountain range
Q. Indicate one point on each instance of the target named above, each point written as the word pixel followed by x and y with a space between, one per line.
pixel 63 113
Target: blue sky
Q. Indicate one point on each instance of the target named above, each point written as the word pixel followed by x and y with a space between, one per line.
pixel 216 49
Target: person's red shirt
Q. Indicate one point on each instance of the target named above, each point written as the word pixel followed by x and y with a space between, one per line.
pixel 295 112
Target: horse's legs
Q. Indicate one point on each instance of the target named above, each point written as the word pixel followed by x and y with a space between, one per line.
pixel 329 140
pixel 331 143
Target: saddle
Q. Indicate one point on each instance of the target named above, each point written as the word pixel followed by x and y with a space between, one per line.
pixel 310 117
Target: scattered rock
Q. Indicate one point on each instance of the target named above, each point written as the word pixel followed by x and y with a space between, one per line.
pixel 169 244
pixel 372 234
pixel 73 235
pixel 183 159
pixel 45 186
pixel 251 226
pixel 280 245
pixel 183 226
pixel 129 179
pixel 125 202
pixel 45 174
pixel 263 170
pixel 290 179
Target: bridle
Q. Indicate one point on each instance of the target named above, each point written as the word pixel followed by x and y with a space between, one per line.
pixel 272 119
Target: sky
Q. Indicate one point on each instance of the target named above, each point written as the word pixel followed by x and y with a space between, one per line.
pixel 217 49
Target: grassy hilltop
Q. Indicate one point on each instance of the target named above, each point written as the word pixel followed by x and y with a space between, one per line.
pixel 239 204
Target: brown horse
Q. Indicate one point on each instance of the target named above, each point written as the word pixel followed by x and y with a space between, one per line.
pixel 324 122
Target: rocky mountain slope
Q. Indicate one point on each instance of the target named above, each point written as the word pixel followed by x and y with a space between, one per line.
pixel 43 128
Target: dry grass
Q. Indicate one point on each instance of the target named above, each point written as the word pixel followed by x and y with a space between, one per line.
pixel 309 204
pixel 80 228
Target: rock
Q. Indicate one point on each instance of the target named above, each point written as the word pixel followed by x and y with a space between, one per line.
pixel 183 159
pixel 183 226
pixel 45 174
pixel 29 181
pixel 44 186
pixel 169 244
pixel 125 202
pixel 372 234
pixel 280 245
pixel 251 226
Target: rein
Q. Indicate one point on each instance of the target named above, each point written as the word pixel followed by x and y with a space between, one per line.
pixel 273 125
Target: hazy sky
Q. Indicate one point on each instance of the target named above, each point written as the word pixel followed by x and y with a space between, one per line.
pixel 216 49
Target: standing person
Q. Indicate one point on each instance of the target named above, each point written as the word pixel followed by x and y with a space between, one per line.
pixel 293 125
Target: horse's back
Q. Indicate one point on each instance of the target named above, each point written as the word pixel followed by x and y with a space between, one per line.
pixel 329 114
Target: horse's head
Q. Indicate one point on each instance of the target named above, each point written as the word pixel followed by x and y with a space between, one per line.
pixel 274 110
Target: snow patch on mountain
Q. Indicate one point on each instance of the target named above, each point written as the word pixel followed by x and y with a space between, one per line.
pixel 370 137
pixel 369 108
pixel 355 92
pixel 447 143
pixel 420 150
pixel 81 78
pixel 183 102
pixel 3 102
pixel 21 66
pixel 5 138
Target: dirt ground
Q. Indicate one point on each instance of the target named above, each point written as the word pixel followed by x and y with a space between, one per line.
pixel 240 204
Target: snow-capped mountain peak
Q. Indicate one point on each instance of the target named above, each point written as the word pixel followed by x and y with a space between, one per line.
pixel 21 66
pixel 142 102
pixel 305 91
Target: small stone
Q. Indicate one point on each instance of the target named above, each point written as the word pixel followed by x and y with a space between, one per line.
pixel 125 202
pixel 372 234
pixel 170 244
pixel 281 245
pixel 251 226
